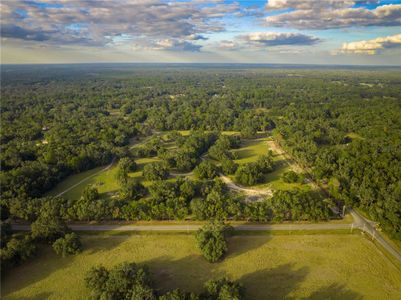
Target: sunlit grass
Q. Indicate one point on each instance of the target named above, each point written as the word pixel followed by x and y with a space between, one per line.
pixel 333 266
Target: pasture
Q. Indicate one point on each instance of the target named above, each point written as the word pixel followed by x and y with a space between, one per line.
pixel 332 266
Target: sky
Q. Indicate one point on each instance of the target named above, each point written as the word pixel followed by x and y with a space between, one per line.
pixel 351 32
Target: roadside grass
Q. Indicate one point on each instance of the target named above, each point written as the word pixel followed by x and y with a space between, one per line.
pixel 335 266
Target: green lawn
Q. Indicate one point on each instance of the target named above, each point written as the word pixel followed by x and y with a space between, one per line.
pixel 105 181
pixel 252 149
pixel 337 266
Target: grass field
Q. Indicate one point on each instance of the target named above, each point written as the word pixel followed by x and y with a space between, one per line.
pixel 105 182
pixel 334 266
pixel 252 149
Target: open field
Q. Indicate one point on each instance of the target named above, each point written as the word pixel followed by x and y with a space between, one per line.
pixel 105 182
pixel 249 152
pixel 337 266
pixel 253 148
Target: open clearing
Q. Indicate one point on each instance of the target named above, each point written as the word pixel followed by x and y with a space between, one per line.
pixel 270 267
pixel 249 152
pixel 105 182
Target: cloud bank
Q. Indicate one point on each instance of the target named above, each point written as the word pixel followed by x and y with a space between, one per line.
pixel 372 46
pixel 330 14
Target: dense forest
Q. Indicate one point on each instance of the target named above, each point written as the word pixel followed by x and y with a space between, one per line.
pixel 343 125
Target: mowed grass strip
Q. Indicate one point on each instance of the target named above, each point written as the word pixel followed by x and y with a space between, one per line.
pixel 105 182
pixel 270 267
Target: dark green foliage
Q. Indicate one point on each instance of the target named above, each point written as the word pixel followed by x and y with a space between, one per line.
pixel 291 177
pixel 124 281
pixel 248 174
pixel 125 165
pixel 59 120
pixel 228 166
pixel 70 244
pixel 212 241
pixel 49 224
pixel 90 206
pixel 223 289
pixel 16 250
pixel 179 295
pixel 130 281
pixel 155 171
pixel 132 190
pixel 253 173
pixel 297 205
pixel 206 170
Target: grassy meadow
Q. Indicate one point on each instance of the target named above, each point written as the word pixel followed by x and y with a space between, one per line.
pixel 333 266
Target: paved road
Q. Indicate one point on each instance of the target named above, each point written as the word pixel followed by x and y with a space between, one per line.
pixel 369 227
pixel 189 227
pixel 360 221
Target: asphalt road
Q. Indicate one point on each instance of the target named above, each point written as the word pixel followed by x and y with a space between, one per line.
pixel 360 222
pixel 369 227
pixel 189 227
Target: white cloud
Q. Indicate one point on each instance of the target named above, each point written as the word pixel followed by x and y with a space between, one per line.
pixel 262 40
pixel 331 14
pixel 101 22
pixel 372 46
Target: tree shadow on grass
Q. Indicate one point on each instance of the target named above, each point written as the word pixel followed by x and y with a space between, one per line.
pixel 334 291
pixel 32 271
pixel 246 242
pixel 188 273
pixel 40 296
pixel 276 283
pixel 46 262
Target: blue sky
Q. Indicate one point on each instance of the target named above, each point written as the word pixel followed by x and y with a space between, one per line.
pixel 274 31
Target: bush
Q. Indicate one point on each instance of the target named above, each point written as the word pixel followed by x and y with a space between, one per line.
pixel 132 190
pixel 211 241
pixel 16 251
pixel 125 281
pixel 291 177
pixel 155 171
pixel 206 170
pixel 223 289
pixel 229 166
pixel 125 165
pixel 70 244
pixel 248 174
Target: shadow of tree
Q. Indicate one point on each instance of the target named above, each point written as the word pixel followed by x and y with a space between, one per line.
pixel 40 296
pixel 188 273
pixel 46 262
pixel 248 243
pixel 275 283
pixel 334 291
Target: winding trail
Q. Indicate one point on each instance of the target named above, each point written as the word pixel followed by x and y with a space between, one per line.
pixel 360 222
pixel 250 192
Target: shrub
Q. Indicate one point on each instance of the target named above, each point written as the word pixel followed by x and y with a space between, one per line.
pixel 211 241
pixel 70 244
pixel 155 171
pixel 206 170
pixel 223 289
pixel 290 177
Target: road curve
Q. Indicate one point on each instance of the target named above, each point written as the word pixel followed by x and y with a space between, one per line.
pixel 369 227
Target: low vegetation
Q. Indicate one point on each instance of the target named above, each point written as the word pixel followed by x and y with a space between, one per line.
pixel 277 267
